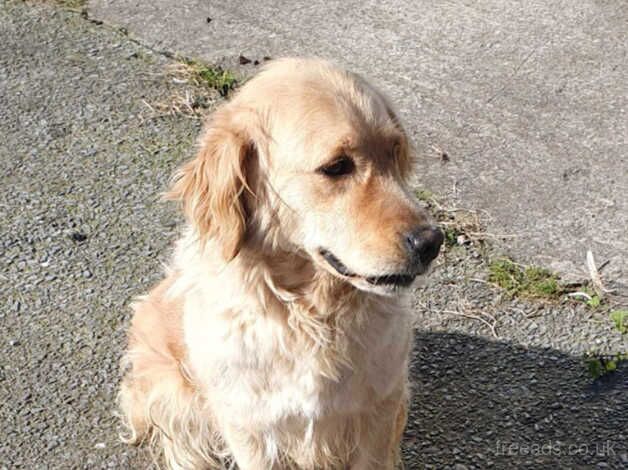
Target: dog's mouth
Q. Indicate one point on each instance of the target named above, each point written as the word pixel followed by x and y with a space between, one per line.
pixel 393 280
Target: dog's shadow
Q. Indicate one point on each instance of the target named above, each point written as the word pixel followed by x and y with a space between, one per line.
pixel 482 404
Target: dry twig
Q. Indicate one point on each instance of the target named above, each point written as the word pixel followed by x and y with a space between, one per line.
pixel 596 279
pixel 467 311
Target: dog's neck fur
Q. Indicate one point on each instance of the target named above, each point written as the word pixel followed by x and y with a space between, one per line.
pixel 317 309
pixel 299 287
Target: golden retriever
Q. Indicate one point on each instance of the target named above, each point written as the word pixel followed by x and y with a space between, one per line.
pixel 280 336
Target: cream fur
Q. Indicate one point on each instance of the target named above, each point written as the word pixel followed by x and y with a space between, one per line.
pixel 253 350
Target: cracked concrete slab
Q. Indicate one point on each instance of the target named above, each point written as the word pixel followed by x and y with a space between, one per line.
pixel 527 99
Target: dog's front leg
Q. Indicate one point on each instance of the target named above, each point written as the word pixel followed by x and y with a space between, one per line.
pixel 247 448
pixel 379 445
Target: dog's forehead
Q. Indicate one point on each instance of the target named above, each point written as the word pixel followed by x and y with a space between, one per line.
pixel 320 111
pixel 338 122
pixel 352 136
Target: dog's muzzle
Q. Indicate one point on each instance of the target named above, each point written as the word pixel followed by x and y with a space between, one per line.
pixel 423 245
pixel 400 279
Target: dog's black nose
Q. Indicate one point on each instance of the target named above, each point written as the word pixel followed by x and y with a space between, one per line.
pixel 424 243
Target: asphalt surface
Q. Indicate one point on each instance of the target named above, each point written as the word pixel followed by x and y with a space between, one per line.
pixel 529 100
pixel 83 231
pixel 87 146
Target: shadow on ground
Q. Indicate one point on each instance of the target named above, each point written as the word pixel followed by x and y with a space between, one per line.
pixel 482 404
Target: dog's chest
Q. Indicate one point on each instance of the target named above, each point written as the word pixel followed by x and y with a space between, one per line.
pixel 253 371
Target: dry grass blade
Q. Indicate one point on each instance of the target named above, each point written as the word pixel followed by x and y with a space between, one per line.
pixel 176 105
pixel 467 311
pixel 579 295
pixel 196 86
pixel 461 226
pixel 596 279
pixel 181 73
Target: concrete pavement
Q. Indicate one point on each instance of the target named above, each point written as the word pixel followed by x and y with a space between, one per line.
pixel 527 99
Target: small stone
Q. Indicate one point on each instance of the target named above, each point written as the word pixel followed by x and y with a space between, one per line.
pixel 78 237
pixel 100 445
pixel 87 273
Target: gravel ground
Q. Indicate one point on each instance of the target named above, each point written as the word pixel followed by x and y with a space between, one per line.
pixel 85 153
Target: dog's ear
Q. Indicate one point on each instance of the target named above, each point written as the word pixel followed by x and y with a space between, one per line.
pixel 404 151
pixel 212 186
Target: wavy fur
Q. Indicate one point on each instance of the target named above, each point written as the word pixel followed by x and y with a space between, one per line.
pixel 253 352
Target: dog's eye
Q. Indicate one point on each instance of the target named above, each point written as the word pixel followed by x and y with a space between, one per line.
pixel 342 166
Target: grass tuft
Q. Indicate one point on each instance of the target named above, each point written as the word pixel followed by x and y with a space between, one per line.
pixel 524 281
pixel 600 366
pixel 620 319
pixel 594 301
pixel 460 226
pixel 451 235
pixel 217 78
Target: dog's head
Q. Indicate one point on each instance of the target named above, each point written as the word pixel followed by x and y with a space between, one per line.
pixel 310 158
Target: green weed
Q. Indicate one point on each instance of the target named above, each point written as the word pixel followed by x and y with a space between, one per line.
pixel 620 319
pixel 213 77
pixel 524 281
pixel 599 366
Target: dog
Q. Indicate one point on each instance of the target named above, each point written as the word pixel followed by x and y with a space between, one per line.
pixel 280 336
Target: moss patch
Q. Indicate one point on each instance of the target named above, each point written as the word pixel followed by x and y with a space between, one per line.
pixel 524 281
